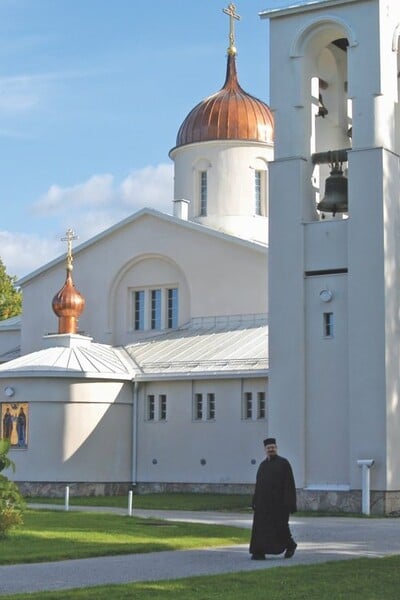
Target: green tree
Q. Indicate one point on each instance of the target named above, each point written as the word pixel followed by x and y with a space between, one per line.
pixel 12 504
pixel 10 296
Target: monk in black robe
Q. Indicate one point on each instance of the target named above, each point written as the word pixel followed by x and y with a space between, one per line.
pixel 273 501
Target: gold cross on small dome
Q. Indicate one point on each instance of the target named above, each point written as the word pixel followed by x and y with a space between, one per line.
pixel 69 236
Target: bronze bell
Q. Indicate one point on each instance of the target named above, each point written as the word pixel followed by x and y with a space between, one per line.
pixel 336 197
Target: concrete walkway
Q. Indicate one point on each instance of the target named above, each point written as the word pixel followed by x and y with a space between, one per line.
pixel 319 539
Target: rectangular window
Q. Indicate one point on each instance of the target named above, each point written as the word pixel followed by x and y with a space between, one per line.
pixel 155 309
pixel 203 193
pixel 162 407
pixel 151 407
pixel 172 308
pixel 139 310
pixel 210 407
pixel 328 324
pixel 258 191
pixel 198 407
pixel 248 405
pixel 260 405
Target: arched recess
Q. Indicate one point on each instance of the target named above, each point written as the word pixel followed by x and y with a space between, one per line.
pixel 324 31
pixel 320 53
pixel 146 273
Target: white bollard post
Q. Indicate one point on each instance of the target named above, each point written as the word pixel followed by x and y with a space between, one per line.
pixel 365 465
pixel 130 498
pixel 67 497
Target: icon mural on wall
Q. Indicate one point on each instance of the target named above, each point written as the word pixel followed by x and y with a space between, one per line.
pixel 14 423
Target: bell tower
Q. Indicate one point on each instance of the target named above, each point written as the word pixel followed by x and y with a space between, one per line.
pixel 334 248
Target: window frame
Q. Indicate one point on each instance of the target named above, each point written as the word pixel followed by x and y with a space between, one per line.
pixel 150 407
pixel 162 407
pixel 261 406
pixel 248 406
pixel 154 308
pixel 203 193
pixel 139 305
pixel 328 325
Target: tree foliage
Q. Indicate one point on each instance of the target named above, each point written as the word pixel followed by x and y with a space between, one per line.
pixel 12 504
pixel 10 296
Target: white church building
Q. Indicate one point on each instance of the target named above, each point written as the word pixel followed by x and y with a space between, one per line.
pixel 268 304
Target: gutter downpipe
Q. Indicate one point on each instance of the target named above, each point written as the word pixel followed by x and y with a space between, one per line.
pixel 135 400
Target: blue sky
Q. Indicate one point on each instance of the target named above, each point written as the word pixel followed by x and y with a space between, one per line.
pixel 92 93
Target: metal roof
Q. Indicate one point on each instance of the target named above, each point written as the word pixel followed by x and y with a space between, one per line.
pixel 230 114
pixel 302 6
pixel 94 361
pixel 210 347
pixel 195 352
pixel 10 354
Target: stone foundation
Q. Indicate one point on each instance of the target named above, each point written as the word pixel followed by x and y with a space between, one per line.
pixel 57 489
pixel 197 488
pixel 382 503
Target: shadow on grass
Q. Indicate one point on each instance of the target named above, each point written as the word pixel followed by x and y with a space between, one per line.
pixel 52 536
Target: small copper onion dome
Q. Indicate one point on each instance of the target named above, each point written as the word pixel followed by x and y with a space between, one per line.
pixel 68 303
pixel 230 114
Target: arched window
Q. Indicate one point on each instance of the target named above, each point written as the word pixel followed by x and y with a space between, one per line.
pixel 201 169
pixel 203 193
pixel 260 187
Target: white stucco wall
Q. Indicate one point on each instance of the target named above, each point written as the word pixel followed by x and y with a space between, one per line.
pixel 9 340
pixel 354 385
pixel 230 167
pixel 231 446
pixel 327 408
pixel 184 255
pixel 77 431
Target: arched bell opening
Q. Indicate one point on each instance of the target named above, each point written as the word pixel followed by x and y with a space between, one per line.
pixel 331 128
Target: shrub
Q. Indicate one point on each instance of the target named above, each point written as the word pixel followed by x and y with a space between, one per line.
pixel 12 504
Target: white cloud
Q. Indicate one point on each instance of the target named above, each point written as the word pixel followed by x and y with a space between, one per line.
pixel 88 208
pixel 98 190
pixel 151 184
pixel 22 253
pixel 28 92
pixel 151 187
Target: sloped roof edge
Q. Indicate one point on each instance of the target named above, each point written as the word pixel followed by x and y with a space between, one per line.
pixel 257 246
pixel 96 361
pixel 11 324
pixel 296 6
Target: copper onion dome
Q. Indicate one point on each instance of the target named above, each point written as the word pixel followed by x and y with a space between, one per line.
pixel 68 303
pixel 230 114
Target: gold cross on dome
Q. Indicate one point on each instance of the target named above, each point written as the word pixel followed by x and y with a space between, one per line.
pixel 231 12
pixel 69 236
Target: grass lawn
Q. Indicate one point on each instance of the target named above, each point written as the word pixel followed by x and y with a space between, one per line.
pixel 57 535
pixel 178 501
pixel 171 501
pixel 361 579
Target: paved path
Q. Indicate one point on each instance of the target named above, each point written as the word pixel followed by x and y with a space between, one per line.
pixel 319 539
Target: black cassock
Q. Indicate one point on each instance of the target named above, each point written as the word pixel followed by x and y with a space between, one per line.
pixel 274 499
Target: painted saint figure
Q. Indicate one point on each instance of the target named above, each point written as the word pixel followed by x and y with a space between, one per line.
pixel 21 427
pixel 7 424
